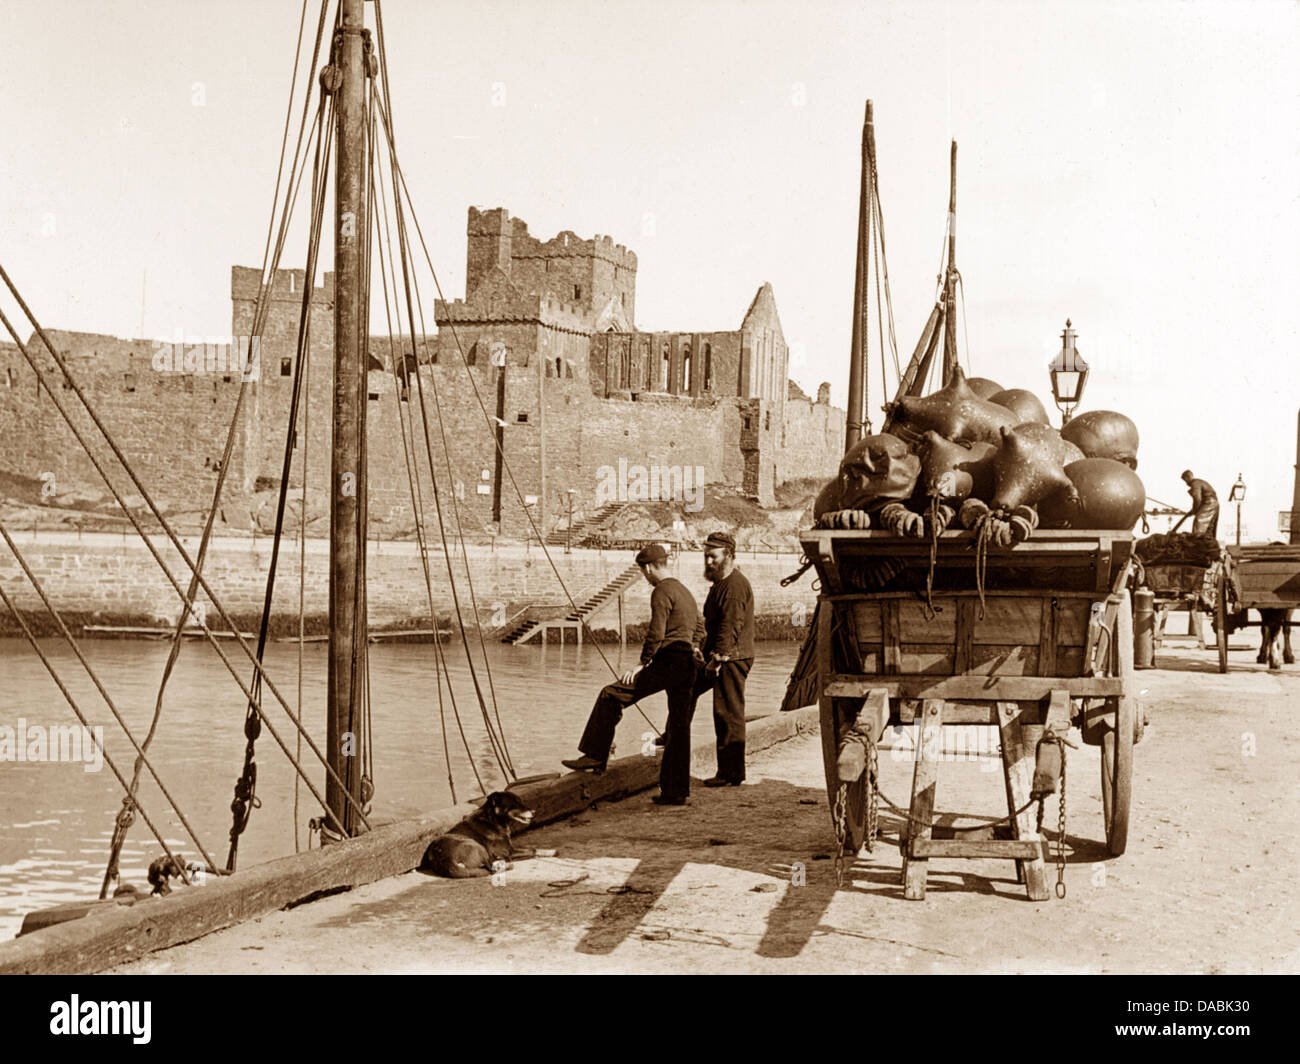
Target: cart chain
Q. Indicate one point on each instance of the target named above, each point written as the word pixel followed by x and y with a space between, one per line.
pixel 1060 820
pixel 839 818
pixel 873 793
pixel 1060 832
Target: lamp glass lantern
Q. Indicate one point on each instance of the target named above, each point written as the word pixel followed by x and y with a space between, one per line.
pixel 1069 374
pixel 1238 495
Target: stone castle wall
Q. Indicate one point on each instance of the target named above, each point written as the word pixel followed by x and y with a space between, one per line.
pixel 518 364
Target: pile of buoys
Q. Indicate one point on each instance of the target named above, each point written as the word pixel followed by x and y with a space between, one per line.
pixel 987 458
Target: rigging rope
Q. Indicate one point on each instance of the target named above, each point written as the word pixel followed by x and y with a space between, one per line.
pixel 134 520
pixel 490 420
pixel 417 504
pixel 245 799
pixel 76 649
pixel 499 749
pixel 123 822
pixel 85 723
pixel 302 575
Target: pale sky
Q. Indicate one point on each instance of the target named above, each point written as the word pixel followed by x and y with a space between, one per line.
pixel 1132 166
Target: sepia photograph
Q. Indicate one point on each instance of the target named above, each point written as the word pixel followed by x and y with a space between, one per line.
pixel 594 487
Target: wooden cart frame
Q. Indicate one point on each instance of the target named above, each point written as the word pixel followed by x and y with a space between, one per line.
pixel 1269 579
pixel 1027 659
pixel 1178 587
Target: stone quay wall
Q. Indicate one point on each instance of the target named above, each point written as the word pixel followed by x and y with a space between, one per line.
pixel 106 578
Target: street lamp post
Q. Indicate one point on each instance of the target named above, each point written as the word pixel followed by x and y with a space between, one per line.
pixel 1069 374
pixel 1238 495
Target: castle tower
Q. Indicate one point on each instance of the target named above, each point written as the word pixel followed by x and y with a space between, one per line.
pixel 488 245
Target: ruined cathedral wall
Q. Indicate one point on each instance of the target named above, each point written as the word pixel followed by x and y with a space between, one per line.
pixel 811 442
pixel 602 448
pixel 697 364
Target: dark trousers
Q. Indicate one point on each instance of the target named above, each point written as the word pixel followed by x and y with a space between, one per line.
pixel 672 670
pixel 728 687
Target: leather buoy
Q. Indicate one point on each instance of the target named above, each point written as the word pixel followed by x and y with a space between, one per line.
pixel 955 413
pixel 1023 404
pixel 1104 434
pixel 1108 495
pixel 983 387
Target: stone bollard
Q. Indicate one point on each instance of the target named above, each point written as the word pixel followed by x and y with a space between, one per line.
pixel 1144 629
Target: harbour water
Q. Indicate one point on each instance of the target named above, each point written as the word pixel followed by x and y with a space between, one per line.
pixel 56 818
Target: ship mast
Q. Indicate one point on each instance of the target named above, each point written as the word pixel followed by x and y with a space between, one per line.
pixel 950 276
pixel 853 422
pixel 347 639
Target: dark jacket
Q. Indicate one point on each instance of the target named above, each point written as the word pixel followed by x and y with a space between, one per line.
pixel 1203 496
pixel 674 618
pixel 729 618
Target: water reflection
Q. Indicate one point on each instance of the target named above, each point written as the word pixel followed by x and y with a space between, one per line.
pixel 56 819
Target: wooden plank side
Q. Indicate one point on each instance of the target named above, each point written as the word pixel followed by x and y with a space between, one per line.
pixel 1009 620
pixel 1015 849
pixel 958 711
pixel 1069 662
pixel 892 636
pixel 1047 637
pixel 1005 661
pixel 966 622
pixel 866 617
pixel 925 779
pixel 925 659
pixel 1019 744
pixel 994 688
pixel 919 625
pixel 1072 621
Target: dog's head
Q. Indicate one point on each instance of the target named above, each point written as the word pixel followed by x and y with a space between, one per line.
pixel 507 809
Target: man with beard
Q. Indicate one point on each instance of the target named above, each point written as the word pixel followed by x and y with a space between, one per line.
pixel 728 653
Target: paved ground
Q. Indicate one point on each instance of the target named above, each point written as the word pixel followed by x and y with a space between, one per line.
pixel 1207 885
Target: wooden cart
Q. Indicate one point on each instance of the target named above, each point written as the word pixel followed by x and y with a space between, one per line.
pixel 1048 644
pixel 1178 587
pixel 1267 577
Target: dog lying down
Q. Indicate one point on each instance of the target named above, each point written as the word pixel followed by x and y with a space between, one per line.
pixel 481 840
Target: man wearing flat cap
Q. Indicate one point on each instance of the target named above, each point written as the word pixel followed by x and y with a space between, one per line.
pixel 667 664
pixel 729 653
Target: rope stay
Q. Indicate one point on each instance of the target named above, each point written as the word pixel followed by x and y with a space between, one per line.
pixel 490 420
pixel 407 432
pixel 85 723
pixel 245 797
pixel 261 309
pixel 496 742
pixel 133 518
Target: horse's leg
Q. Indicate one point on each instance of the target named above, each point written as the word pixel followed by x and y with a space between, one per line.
pixel 1288 656
pixel 1270 623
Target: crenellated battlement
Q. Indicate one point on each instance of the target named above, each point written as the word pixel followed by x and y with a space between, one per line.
pixel 245 283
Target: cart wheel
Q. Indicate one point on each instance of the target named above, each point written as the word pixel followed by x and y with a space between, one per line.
pixel 1117 739
pixel 1221 618
pixel 831 725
